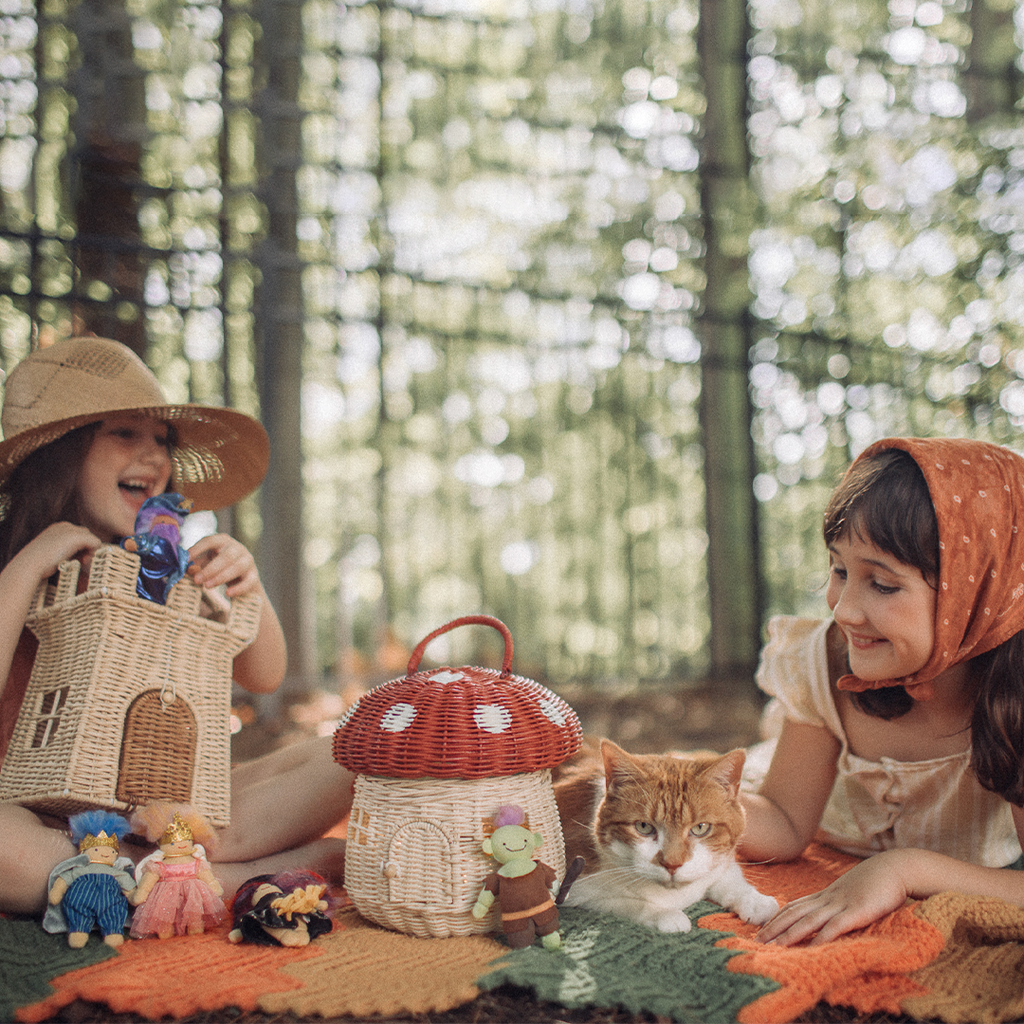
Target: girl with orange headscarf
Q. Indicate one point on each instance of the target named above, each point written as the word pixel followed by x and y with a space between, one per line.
pixel 902 717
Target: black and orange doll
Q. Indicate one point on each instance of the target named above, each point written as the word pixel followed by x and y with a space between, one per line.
pixel 286 909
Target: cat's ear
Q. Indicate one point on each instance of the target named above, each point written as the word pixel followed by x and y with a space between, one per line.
pixel 728 770
pixel 618 765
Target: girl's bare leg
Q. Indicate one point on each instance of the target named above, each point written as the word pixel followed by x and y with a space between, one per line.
pixel 284 802
pixel 32 848
pixel 324 856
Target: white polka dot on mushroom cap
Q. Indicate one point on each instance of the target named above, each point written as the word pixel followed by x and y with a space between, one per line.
pixel 398 717
pixel 445 675
pixel 553 711
pixel 492 718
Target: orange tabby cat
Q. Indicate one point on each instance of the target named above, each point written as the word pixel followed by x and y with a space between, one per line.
pixel 657 832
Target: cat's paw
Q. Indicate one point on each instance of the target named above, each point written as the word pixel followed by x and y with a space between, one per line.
pixel 676 922
pixel 756 908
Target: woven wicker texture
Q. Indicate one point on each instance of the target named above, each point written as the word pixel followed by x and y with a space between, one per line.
pixel 414 860
pixel 128 701
pixel 457 723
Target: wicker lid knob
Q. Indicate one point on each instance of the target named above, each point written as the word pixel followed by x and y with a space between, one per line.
pixel 457 723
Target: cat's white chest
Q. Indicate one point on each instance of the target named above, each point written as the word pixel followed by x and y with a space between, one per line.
pixel 640 896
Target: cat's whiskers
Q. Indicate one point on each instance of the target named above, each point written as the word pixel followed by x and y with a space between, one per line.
pixel 618 881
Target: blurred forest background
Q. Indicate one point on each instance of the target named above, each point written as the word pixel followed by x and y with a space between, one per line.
pixel 567 311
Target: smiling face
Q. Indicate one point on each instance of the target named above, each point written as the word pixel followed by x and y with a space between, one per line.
pixel 513 842
pixel 101 854
pixel 884 607
pixel 177 848
pixel 128 461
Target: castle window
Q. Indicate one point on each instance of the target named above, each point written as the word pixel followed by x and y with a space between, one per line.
pixel 51 708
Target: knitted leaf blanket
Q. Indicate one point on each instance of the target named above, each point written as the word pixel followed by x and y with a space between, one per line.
pixel 952 957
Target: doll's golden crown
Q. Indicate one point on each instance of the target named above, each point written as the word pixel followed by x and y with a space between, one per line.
pixel 100 839
pixel 177 831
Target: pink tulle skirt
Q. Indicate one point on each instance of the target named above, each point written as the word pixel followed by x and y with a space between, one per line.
pixel 179 903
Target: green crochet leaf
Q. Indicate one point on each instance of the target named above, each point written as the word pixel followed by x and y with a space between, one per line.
pixel 608 962
pixel 30 957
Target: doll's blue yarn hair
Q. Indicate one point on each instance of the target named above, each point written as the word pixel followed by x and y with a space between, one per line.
pixel 92 823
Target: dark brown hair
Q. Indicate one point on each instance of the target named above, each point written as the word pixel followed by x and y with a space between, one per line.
pixel 997 725
pixel 42 490
pixel 885 499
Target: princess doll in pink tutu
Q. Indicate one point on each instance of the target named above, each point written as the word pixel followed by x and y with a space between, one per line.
pixel 177 893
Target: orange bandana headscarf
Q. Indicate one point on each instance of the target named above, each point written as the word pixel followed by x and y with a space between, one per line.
pixel 977 490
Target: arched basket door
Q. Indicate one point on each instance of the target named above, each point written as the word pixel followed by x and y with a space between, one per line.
pixel 420 865
pixel 158 750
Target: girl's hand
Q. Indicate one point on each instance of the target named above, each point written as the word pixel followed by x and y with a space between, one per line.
pixel 57 543
pixel 868 891
pixel 220 559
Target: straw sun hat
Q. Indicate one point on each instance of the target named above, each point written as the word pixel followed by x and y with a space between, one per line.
pixel 219 455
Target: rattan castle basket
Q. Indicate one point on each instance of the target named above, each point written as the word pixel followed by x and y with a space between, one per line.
pixel 129 701
pixel 436 753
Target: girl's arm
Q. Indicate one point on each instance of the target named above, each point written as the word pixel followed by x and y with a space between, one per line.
pixel 220 559
pixel 22 575
pixel 783 816
pixel 882 884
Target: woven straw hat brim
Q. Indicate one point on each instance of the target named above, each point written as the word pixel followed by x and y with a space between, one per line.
pixel 219 456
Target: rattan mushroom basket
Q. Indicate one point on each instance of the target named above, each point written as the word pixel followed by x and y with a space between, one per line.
pixel 435 754
pixel 128 701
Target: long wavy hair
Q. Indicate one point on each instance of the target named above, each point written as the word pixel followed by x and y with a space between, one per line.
pixel 42 490
pixel 885 500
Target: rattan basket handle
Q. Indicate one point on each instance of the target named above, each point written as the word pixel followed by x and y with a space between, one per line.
pixel 467 620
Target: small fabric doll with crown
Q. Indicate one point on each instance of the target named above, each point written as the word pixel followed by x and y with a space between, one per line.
pixel 157 542
pixel 91 889
pixel 177 892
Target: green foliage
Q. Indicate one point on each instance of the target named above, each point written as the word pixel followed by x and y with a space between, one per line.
pixel 499 243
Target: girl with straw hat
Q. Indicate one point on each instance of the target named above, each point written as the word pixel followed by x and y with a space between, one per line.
pixel 88 437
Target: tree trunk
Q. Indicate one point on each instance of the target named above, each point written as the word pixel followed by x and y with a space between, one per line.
pixel 110 118
pixel 725 412
pixel 279 327
pixel 990 78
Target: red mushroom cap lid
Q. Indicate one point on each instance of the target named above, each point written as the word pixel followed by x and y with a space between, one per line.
pixel 457 723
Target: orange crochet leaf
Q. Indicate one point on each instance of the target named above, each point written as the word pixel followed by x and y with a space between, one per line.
pixel 816 868
pixel 356 976
pixel 177 977
pixel 867 969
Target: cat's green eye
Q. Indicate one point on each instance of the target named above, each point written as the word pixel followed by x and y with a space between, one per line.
pixel 701 829
pixel 645 828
